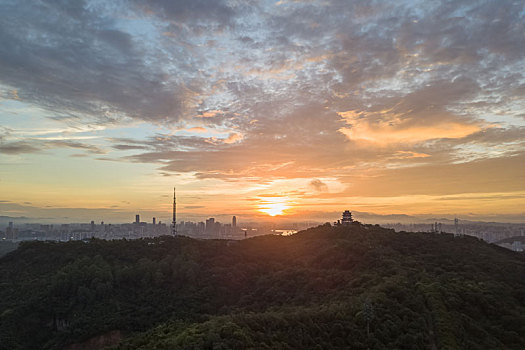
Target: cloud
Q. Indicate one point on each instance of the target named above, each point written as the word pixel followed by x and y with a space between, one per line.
pixel 124 147
pixel 190 12
pixel 35 213
pixel 18 148
pixel 384 128
pixel 77 145
pixel 410 155
pixel 86 66
pixel 318 90
pixel 39 145
pixel 318 185
pixel 14 94
pixel 197 129
pixel 233 138
pixel 418 116
pixel 209 114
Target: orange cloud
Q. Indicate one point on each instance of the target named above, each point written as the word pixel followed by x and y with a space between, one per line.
pixel 392 129
pixel 209 114
pixel 197 129
pixel 233 137
pixel 410 155
pixel 14 95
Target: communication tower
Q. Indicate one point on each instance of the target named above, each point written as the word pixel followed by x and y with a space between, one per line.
pixel 174 222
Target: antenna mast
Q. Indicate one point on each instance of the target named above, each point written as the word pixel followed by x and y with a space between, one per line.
pixel 174 223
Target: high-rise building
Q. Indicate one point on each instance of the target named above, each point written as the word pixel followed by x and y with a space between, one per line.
pixel 210 225
pixel 137 219
pixel 234 222
pixel 201 227
pixel 92 226
pixel 10 232
pixel 154 221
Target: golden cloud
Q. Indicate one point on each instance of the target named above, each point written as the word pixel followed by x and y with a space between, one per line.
pixel 233 137
pixel 390 128
pixel 410 155
pixel 197 129
pixel 209 114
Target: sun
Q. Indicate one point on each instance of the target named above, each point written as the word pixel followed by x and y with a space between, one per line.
pixel 274 210
pixel 274 206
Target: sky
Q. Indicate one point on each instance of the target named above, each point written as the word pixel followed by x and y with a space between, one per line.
pixel 268 110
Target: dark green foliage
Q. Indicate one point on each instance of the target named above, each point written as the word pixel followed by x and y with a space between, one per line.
pixel 360 287
pixel 6 247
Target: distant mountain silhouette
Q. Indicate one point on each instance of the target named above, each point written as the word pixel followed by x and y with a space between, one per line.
pixel 353 287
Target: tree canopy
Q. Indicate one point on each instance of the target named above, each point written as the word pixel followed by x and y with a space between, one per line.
pixel 357 286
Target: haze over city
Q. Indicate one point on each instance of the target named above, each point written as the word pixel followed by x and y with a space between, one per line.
pixel 268 110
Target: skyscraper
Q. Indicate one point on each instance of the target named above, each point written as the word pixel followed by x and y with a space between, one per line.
pixel 234 222
pixel 174 222
pixel 137 219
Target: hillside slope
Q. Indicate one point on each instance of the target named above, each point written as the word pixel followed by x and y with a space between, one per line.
pixel 328 287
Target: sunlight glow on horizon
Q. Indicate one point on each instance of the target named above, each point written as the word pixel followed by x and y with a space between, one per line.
pixel 274 206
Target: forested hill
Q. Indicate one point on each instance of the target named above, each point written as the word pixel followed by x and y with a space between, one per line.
pixel 328 287
pixel 6 247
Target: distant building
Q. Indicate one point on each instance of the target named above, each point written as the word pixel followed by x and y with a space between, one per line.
pixel 201 227
pixel 517 246
pixel 234 222
pixel 347 218
pixel 436 227
pixel 210 225
pixel 11 233
pixel 137 219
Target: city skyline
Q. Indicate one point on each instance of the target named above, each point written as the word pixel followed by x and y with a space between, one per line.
pixel 507 235
pixel 267 110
